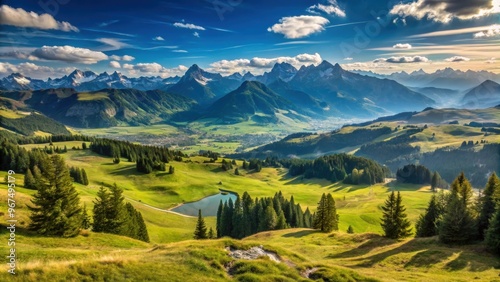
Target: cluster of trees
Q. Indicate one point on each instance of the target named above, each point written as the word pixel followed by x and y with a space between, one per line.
pixel 55 209
pixel 79 175
pixel 336 168
pixel 419 174
pixel 458 219
pixel 227 165
pixel 51 150
pixel 247 216
pixel 147 158
pixel 113 215
pixel 19 159
pixel 391 149
pixel 20 140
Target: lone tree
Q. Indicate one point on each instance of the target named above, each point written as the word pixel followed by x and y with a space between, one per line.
pixel 491 196
pixel 350 230
pixel 458 224
pixel 436 178
pixel 56 209
pixel 394 220
pixel 201 229
pixel 326 218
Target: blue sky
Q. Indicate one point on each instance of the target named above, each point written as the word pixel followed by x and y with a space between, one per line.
pixel 52 37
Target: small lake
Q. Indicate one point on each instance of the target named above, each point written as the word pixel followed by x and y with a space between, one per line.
pixel 207 205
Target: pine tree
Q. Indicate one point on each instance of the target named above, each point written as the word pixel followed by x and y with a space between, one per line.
pixel 307 218
pixel 29 180
pixel 320 215
pixel 201 229
pixel 270 219
pixel 211 234
pixel 85 180
pixel 394 220
pixel 487 203
pixel 143 230
pixel 237 220
pixel 281 221
pixel 427 223
pixel 331 217
pixel 458 224
pixel 435 181
pixel 56 209
pixel 350 230
pixel 116 213
pixel 219 227
pixel 86 224
pixel 101 207
pixel 171 170
pixel 492 234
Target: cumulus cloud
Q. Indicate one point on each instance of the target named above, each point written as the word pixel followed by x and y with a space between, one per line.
pixel 154 69
pixel 332 8
pixel 21 18
pixel 348 59
pixel 115 64
pixel 189 26
pixel 259 65
pixel 122 58
pixel 158 38
pixel 299 26
pixel 402 46
pixel 492 31
pixel 455 59
pixel 446 10
pixel 402 60
pixel 32 70
pixel 69 54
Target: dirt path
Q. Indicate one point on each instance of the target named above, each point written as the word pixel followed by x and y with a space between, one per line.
pixel 158 209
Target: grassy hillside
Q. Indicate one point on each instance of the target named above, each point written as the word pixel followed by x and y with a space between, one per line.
pixel 171 253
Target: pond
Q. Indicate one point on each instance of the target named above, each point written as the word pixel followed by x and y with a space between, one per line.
pixel 208 205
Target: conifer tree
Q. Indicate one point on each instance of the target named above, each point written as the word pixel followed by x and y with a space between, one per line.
pixel 201 229
pixel 490 198
pixel 270 219
pixel 211 234
pixel 219 226
pixel 307 218
pixel 29 180
pixel 237 220
pixel 116 213
pixel 394 219
pixel 85 180
pixel 427 224
pixel 492 234
pixel 56 209
pixel 331 217
pixel 320 214
pixel 101 207
pixel 86 224
pixel 143 230
pixel 281 221
pixel 350 230
pixel 458 224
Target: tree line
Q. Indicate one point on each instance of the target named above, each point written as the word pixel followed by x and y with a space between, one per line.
pixel 246 216
pixel 147 158
pixel 459 219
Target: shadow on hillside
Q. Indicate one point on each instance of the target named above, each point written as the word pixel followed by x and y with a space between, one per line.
pixel 427 258
pixel 20 230
pixel 364 248
pixel 127 171
pixel 470 261
pixel 300 234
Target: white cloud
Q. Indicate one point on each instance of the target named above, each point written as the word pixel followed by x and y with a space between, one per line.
pixel 348 59
pixel 114 64
pixel 112 44
pixel 492 31
pixel 445 10
pixel 196 34
pixel 158 38
pixel 402 60
pixel 69 54
pixel 189 26
pixel 491 61
pixel 154 69
pixel 457 59
pixel 32 70
pixel 21 18
pixel 402 46
pixel 259 65
pixel 331 9
pixel 179 51
pixel 124 58
pixel 299 26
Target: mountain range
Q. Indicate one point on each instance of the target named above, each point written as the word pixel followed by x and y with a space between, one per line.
pixel 87 99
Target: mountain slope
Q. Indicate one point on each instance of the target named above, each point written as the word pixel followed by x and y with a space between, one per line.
pixel 251 100
pixel 104 108
pixel 487 94
pixel 351 94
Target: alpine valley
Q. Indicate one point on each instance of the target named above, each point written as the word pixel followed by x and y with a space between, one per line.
pixel 250 140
